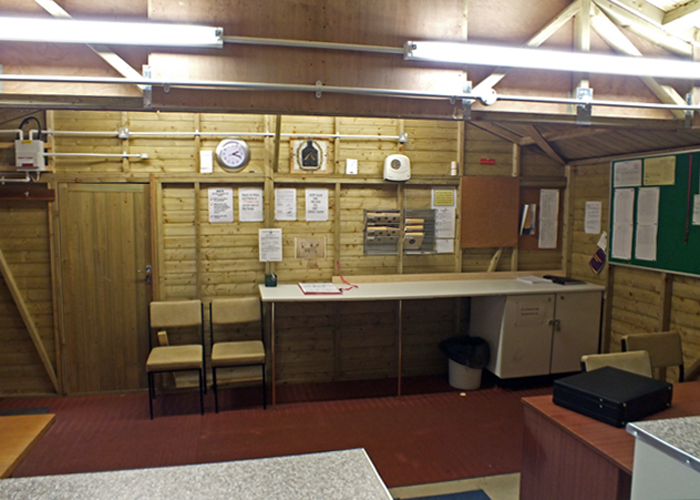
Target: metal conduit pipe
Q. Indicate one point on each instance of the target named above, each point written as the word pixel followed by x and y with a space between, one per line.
pixel 487 98
pixel 14 131
pixel 4 180
pixel 217 134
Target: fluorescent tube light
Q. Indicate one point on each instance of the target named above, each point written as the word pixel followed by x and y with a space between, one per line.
pixel 22 29
pixel 544 59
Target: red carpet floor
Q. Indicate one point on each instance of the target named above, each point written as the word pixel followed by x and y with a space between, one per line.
pixel 413 439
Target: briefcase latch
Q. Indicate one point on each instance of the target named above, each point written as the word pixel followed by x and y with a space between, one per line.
pixel 555 323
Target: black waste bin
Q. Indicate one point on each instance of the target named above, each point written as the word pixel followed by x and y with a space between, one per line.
pixel 467 356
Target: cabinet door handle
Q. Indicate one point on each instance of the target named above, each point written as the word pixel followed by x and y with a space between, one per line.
pixel 555 323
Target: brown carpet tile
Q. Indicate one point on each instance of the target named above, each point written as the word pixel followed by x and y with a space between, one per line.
pixel 414 439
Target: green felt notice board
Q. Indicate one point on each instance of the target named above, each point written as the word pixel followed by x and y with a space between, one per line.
pixel 675 181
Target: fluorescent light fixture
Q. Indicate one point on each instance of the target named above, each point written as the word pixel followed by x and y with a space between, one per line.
pixel 22 29
pixel 544 59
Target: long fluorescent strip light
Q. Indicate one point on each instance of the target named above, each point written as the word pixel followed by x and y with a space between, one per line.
pixel 544 59
pixel 22 29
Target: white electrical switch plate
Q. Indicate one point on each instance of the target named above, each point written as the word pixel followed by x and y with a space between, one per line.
pixel 351 167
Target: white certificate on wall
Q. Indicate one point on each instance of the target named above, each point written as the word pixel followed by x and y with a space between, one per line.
pixel 317 204
pixel 270 245
pixel 286 204
pixel 220 205
pixel 250 204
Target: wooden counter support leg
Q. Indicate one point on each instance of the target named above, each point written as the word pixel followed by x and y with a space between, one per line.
pixel 399 326
pixel 272 353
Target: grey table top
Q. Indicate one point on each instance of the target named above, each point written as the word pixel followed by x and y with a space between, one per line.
pixel 677 437
pixel 346 474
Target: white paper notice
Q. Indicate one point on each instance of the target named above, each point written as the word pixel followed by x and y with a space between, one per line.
pixel 206 162
pixel 623 223
pixel 648 206
pixel 624 207
pixel 220 205
pixel 628 173
pixel 696 210
pixel 592 218
pixel 549 218
pixel 646 242
pixel 250 204
pixel 270 245
pixel 622 241
pixel 445 245
pixel 316 204
pixel 285 204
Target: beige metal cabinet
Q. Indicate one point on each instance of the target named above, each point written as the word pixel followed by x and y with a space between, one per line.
pixel 537 334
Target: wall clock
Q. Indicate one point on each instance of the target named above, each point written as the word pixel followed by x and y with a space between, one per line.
pixel 309 155
pixel 232 155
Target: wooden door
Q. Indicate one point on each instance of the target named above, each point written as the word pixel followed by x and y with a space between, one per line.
pixel 105 248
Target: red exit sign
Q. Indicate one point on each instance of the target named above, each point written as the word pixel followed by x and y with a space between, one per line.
pixel 487 161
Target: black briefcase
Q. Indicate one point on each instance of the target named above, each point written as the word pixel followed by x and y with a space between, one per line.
pixel 612 395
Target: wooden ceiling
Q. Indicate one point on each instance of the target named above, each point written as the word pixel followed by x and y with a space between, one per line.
pixel 650 28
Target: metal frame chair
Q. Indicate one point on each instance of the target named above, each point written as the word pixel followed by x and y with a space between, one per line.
pixel 240 353
pixel 175 358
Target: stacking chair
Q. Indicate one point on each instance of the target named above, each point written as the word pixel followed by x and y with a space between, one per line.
pixel 240 353
pixel 664 348
pixel 636 362
pixel 175 358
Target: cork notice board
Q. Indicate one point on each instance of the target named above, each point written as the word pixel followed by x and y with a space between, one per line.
pixel 490 208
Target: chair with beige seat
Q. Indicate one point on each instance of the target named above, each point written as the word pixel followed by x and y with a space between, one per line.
pixel 239 354
pixel 175 358
pixel 636 362
pixel 665 350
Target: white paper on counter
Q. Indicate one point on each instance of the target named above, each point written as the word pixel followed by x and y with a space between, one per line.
pixel 286 204
pixel 250 204
pixel 220 205
pixel 270 245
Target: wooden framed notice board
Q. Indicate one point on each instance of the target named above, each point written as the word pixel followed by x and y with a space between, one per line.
pixel 655 213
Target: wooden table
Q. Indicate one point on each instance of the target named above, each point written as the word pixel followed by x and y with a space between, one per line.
pixel 18 435
pixel 568 455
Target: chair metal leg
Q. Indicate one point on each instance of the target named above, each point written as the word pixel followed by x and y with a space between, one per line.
pixel 151 391
pixel 264 389
pixel 201 391
pixel 216 392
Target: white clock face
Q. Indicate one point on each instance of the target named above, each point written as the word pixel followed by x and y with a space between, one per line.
pixel 232 154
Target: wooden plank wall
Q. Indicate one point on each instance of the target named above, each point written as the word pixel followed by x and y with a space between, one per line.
pixel 24 240
pixel 639 300
pixel 196 258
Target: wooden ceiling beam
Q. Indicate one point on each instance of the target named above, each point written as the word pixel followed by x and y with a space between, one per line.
pixel 538 39
pixel 643 9
pixel 617 40
pixel 107 55
pixel 680 12
pixel 499 131
pixel 644 28
pixel 543 144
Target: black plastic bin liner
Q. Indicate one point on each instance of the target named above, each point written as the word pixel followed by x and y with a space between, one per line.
pixel 473 352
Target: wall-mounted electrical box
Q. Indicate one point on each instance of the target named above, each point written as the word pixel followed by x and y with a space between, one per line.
pixel 29 155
